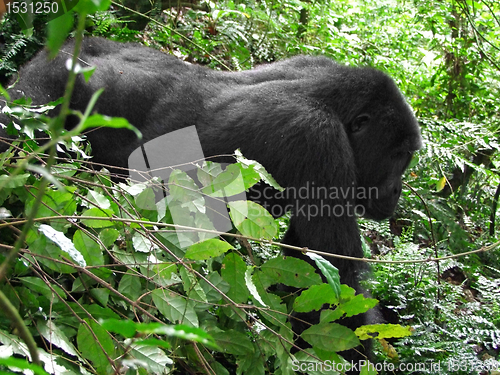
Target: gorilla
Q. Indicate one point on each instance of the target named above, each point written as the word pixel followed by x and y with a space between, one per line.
pixel 338 138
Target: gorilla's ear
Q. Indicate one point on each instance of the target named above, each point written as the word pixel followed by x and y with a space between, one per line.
pixel 359 123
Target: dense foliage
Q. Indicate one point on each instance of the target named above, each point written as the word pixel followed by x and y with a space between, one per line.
pixel 218 300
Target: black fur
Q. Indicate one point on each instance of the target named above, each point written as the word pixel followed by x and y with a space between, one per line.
pixel 310 121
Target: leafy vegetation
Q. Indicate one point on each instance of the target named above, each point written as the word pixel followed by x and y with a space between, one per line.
pixel 99 278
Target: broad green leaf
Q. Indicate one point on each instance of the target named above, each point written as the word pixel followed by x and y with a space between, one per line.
pixel 152 358
pixel 233 272
pixel 226 184
pixel 234 342
pixel 53 334
pixel 100 200
pixel 212 295
pixel 97 223
pixel 91 349
pixel 276 314
pixel 252 220
pixel 441 184
pixel 92 6
pixel 54 202
pixel 328 270
pixel 130 285
pixel 63 242
pixel 357 305
pixel 58 30
pixel 192 288
pixel 108 236
pixel 183 189
pixel 382 331
pixel 314 298
pixel 259 169
pixel 101 295
pixel 12 182
pixel 141 243
pixel 174 307
pixel 19 363
pixel 251 287
pixel 331 337
pixel 65 169
pixel 39 286
pixel 368 369
pixel 146 200
pixel 210 248
pixel 49 251
pixel 125 327
pixel 109 122
pixel 128 328
pixel 290 271
pixel 89 248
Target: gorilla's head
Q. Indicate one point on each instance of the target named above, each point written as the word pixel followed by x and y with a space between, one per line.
pixel 383 134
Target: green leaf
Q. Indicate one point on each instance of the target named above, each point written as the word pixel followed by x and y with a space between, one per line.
pixel 101 295
pixel 152 359
pixel 100 200
pixel 108 236
pixel 48 251
pixel 212 295
pixel 63 242
pixel 226 184
pixel 266 177
pixel 58 30
pixel 330 337
pixel 146 200
pixel 90 347
pixel 357 305
pixel 383 331
pixel 12 182
pixel 180 330
pixel 368 369
pixel 130 285
pixel 53 334
pixel 251 286
pixel 141 243
pixel 21 364
pixel 234 342
pixel 39 286
pixel 233 272
pixel 62 202
pixel 89 248
pixel 290 271
pixel 314 298
pixel 252 220
pixel 174 307
pixel 109 122
pixel 96 223
pixel 330 272
pixel 125 327
pixel 192 288
pixel 441 184
pixel 277 313
pixel 92 6
pixel 210 248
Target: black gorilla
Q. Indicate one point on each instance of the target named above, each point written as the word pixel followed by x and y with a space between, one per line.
pixel 314 124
